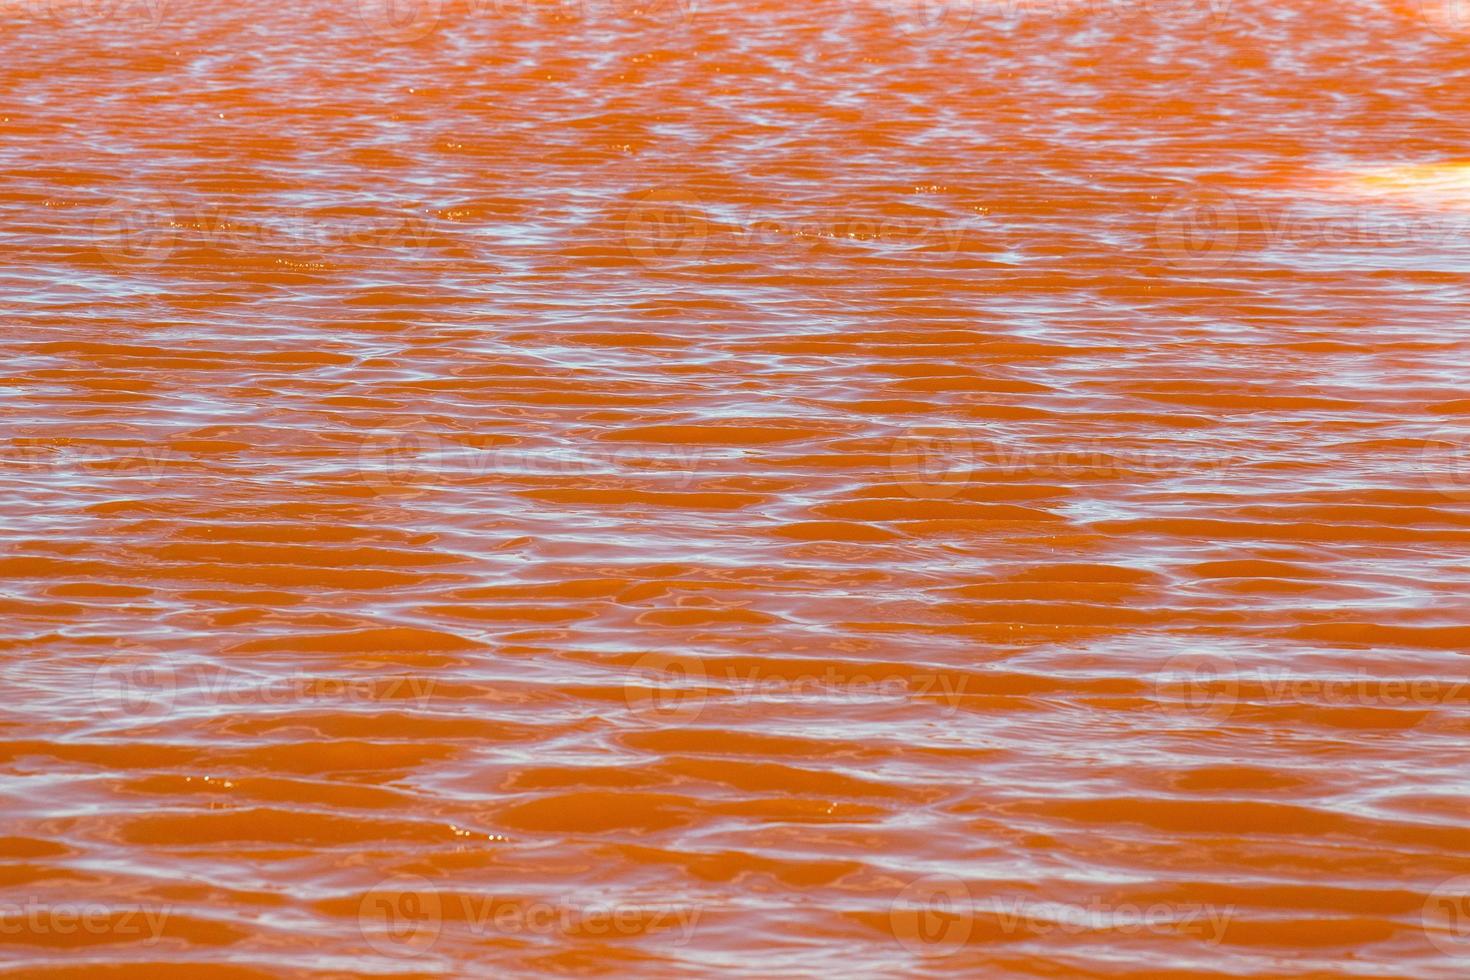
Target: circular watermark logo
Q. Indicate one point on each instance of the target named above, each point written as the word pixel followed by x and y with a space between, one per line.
pixel 666 227
pixel 642 14
pixel 1445 462
pixel 1198 229
pixel 149 12
pixel 669 13
pixel 401 916
pixel 933 916
pixel 931 19
pixel 1446 917
pixel 933 461
pixel 666 687
pixel 136 232
pixel 1450 19
pixel 133 687
pixel 1202 685
pixel 400 21
pixel 397 460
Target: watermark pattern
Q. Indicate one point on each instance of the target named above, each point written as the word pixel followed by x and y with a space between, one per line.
pixel 409 21
pixel 937 915
pixel 133 688
pixel 400 21
pixel 142 231
pixel 406 915
pixel 391 459
pixel 934 461
pixel 1450 19
pixel 148 230
pixel 930 19
pixel 665 226
pixel 670 13
pixel 88 12
pixel 933 916
pixel 1209 229
pixel 1445 462
pixel 671 226
pixel 39 459
pixel 1201 685
pixel 1210 686
pixel 384 459
pixel 669 687
pixel 1446 917
pixel 1199 229
pixel 949 20
pixel 401 916
pixel 937 461
pixel 660 228
pixel 130 923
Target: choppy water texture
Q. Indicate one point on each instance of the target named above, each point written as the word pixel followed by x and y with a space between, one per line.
pixel 754 489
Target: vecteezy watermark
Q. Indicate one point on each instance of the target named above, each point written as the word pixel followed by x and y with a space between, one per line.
pixel 148 230
pixel 665 226
pixel 1445 461
pixel 937 915
pixel 1446 917
pixel 932 19
pixel 936 461
pixel 933 916
pixel 1450 19
pixel 1200 685
pixel 130 923
pixel 385 459
pixel 1210 228
pixel 1201 229
pixel 638 13
pixel 1211 686
pixel 670 226
pixel 406 915
pixel 669 687
pixel 60 12
pixel 400 21
pixel 40 458
pixel 134 688
pixel 408 21
pixel 390 459
pixel 140 231
pixel 938 20
pixel 1358 689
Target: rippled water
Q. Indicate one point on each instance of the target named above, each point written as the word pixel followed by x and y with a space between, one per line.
pixel 748 489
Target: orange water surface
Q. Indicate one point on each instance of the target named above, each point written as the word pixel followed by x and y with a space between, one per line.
pixel 740 488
